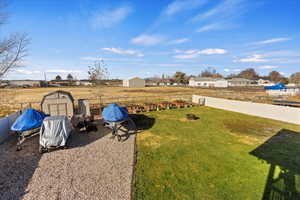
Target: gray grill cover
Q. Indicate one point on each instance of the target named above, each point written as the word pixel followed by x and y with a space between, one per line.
pixel 55 131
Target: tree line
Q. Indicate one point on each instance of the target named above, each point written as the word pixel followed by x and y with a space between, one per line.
pixel 249 73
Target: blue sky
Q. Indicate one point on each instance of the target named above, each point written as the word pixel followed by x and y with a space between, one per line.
pixel 148 38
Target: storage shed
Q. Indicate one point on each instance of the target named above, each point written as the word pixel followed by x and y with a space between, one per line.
pixel 58 103
pixel 134 82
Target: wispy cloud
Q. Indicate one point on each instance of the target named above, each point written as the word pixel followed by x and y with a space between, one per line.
pixel 212 51
pixel 123 51
pixel 89 58
pixel 226 9
pixel 179 41
pixel 178 6
pixel 27 72
pixel 209 27
pixel 231 70
pixel 223 15
pixel 63 71
pixel 148 40
pixel 194 53
pixel 108 18
pixel 267 67
pixel 270 41
pixel 256 58
pixel 170 65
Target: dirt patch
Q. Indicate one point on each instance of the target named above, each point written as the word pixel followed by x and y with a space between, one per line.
pixel 139 90
pixel 152 140
pixel 184 119
pixel 249 128
pixel 147 134
pixel 246 139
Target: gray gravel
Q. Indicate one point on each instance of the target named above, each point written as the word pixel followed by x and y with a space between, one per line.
pixel 94 167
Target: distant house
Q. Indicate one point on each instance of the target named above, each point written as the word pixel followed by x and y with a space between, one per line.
pixel 86 83
pixel 151 82
pixel 24 83
pixel 263 82
pixel 239 82
pixel 208 82
pixel 3 84
pixel 134 82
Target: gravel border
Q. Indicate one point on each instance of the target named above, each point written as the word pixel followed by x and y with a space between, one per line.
pixel 94 167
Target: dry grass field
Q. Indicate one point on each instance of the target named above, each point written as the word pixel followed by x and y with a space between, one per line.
pixel 17 98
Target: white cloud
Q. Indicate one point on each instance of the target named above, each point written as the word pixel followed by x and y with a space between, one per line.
pixel 89 58
pixel 27 72
pixel 232 70
pixel 123 51
pixel 224 15
pixel 169 65
pixel 226 9
pixel 256 58
pixel 63 71
pixel 267 67
pixel 209 27
pixel 186 56
pixel 212 51
pixel 108 18
pixel 180 41
pixel 270 41
pixel 178 6
pixel 194 53
pixel 147 40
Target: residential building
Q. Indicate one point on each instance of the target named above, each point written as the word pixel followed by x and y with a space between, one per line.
pixel 208 82
pixel 240 82
pixel 24 83
pixel 263 82
pixel 134 82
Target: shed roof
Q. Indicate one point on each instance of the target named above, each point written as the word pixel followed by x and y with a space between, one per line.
pixel 60 92
pixel 135 78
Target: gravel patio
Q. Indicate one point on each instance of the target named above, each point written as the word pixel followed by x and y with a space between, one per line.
pixel 94 167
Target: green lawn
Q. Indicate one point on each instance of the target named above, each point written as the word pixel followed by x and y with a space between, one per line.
pixel 222 155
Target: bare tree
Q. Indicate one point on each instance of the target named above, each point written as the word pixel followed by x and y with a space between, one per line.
pixel 98 72
pixel 12 51
pixel 13 48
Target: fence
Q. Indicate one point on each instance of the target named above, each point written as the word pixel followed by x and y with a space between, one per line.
pixel 282 113
pixel 5 124
pixel 96 102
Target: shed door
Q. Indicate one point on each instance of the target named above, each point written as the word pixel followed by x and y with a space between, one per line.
pixel 58 109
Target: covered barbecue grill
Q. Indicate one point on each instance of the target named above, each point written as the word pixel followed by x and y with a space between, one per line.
pixel 117 118
pixel 54 132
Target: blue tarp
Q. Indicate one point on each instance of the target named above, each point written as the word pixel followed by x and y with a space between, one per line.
pixel 114 113
pixel 278 86
pixel 28 120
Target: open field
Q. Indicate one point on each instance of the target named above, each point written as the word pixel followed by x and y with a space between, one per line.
pixel 11 99
pixel 222 155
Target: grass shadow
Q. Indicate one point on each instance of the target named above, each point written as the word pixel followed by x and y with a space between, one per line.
pixel 17 167
pixel 142 121
pixel 282 152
